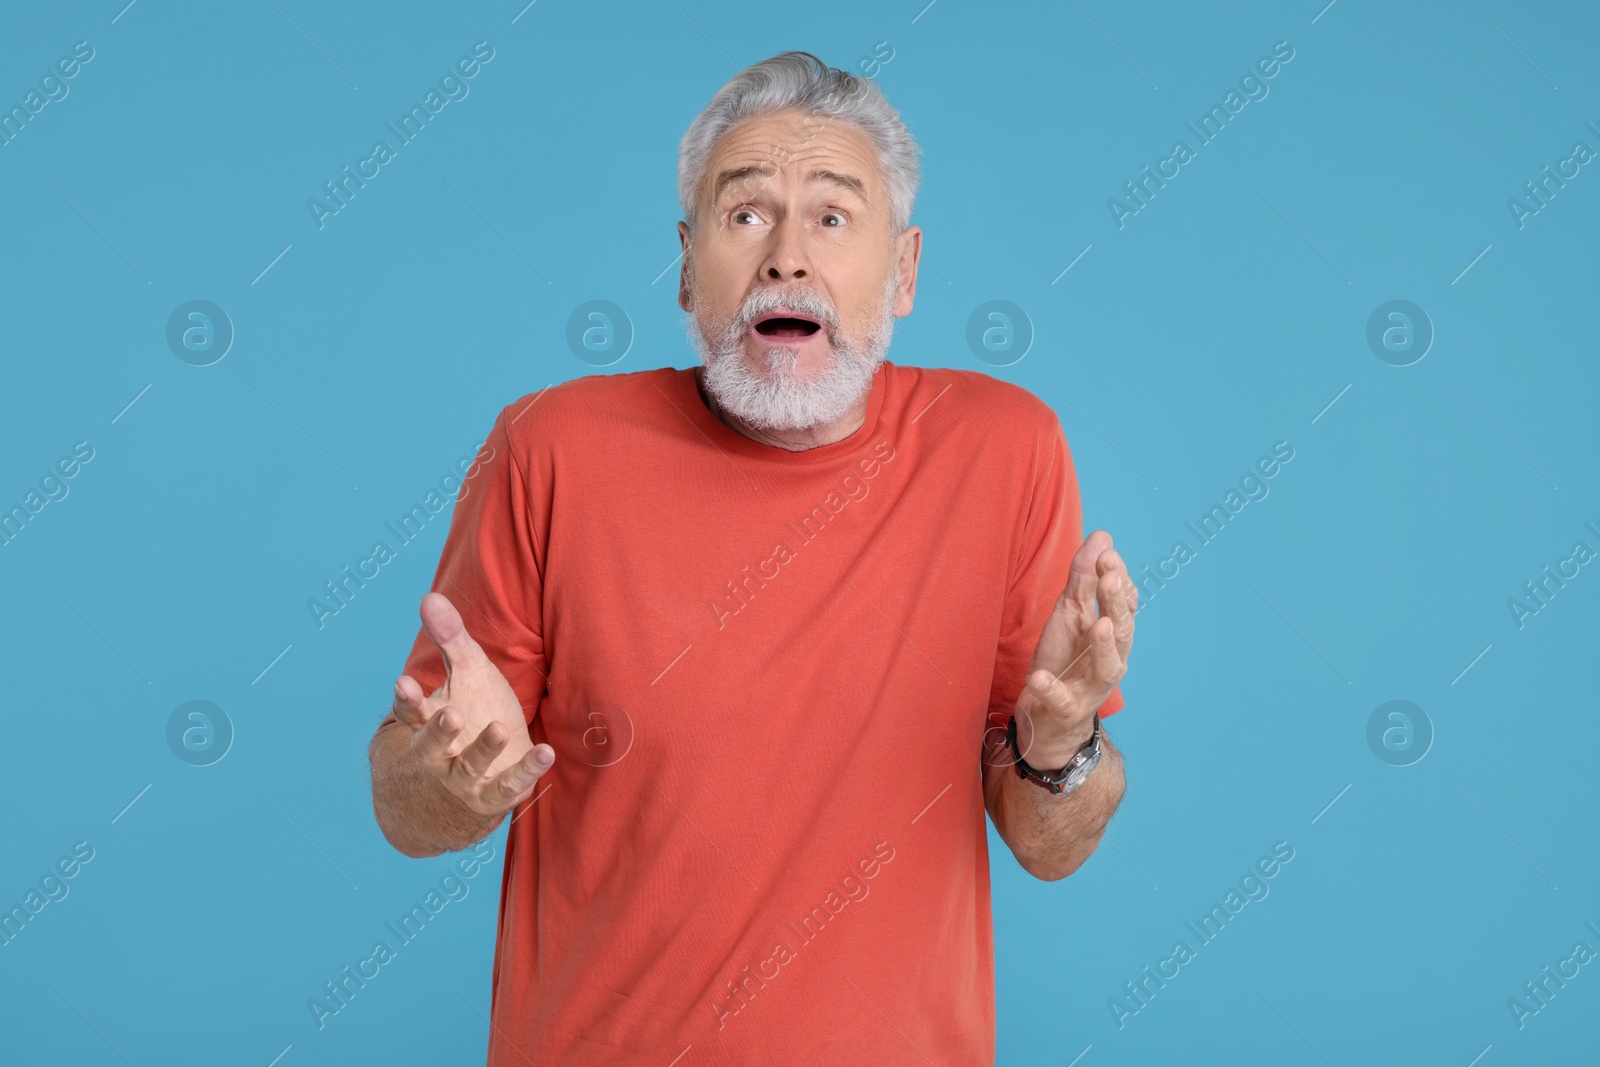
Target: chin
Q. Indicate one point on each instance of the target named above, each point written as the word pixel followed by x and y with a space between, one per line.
pixel 774 361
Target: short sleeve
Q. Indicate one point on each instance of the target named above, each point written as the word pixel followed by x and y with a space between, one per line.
pixel 491 570
pixel 1052 532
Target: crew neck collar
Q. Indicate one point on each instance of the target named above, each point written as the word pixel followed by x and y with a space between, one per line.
pixel 728 439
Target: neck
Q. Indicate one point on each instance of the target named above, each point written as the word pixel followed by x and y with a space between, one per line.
pixel 790 440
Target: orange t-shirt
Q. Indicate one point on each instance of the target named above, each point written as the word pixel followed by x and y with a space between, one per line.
pixel 767 677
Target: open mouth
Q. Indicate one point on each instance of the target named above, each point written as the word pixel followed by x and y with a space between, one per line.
pixel 780 324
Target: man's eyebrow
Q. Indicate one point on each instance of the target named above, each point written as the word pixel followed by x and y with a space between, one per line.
pixel 848 181
pixel 737 174
pixel 751 170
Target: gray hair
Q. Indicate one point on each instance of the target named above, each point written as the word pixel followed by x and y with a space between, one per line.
pixel 800 80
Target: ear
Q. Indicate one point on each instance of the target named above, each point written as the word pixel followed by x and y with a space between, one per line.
pixel 685 298
pixel 908 251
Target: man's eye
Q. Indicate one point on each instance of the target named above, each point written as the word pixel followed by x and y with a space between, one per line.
pixel 840 220
pixel 742 212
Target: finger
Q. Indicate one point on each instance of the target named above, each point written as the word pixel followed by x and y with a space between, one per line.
pixel 1050 690
pixel 476 757
pixel 516 780
pixel 1108 664
pixel 444 627
pixel 1113 595
pixel 1081 579
pixel 1074 612
pixel 1055 698
pixel 1131 592
pixel 411 705
pixel 433 742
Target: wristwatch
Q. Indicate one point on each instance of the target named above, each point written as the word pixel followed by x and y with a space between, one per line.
pixel 1069 777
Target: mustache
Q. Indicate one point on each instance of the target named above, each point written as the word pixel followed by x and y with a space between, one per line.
pixel 801 299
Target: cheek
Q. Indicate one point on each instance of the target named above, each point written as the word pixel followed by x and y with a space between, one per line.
pixel 867 313
pixel 709 307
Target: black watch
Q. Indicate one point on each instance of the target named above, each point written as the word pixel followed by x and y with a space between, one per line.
pixel 1069 777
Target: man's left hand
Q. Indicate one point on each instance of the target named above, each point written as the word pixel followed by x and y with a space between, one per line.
pixel 1081 655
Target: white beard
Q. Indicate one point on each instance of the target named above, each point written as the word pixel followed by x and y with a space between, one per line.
pixel 778 399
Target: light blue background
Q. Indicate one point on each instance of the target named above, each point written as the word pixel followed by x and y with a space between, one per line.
pixel 1224 317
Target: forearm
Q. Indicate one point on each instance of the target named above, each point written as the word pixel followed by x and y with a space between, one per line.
pixel 1052 834
pixel 416 813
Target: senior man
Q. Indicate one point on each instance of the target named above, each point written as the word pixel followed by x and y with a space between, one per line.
pixel 746 650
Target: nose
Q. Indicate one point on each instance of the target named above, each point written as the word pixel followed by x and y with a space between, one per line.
pixel 787 260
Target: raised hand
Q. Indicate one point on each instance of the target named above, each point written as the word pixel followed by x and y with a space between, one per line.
pixel 470 732
pixel 1081 655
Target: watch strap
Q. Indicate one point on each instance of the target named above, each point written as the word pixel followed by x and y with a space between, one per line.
pixel 1070 776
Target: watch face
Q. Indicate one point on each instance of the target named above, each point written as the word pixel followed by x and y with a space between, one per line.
pixel 1085 763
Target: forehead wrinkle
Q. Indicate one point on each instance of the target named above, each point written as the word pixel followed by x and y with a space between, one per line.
pixel 833 160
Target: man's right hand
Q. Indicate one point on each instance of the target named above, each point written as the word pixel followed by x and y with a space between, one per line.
pixel 470 732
